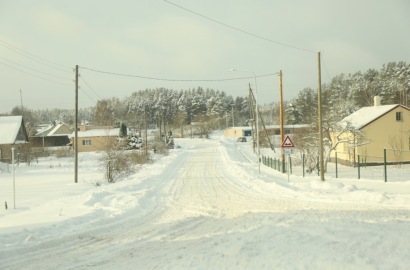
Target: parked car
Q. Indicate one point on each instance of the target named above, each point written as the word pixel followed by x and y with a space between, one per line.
pixel 241 139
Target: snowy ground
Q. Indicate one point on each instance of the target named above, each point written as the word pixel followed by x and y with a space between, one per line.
pixel 205 206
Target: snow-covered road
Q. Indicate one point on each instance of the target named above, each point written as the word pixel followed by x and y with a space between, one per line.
pixel 208 208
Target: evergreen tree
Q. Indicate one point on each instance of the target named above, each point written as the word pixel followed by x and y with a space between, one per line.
pixel 123 130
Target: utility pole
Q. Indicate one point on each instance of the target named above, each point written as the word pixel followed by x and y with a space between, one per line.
pixel 146 133
pixel 76 128
pixel 14 177
pixel 319 101
pixel 282 136
pixel 252 115
pixel 233 118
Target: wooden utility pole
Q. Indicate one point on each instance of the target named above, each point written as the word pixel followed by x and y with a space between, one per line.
pixel 146 133
pixel 233 118
pixel 319 101
pixel 282 136
pixel 75 142
pixel 252 115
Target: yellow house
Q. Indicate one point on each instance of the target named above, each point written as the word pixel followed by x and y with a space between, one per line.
pixel 95 138
pixel 382 127
pixel 235 132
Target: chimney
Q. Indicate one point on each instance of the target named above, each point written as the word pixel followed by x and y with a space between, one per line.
pixel 377 101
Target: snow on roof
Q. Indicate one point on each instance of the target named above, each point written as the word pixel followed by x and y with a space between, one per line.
pixel 366 115
pixel 9 128
pixel 113 132
pixel 50 130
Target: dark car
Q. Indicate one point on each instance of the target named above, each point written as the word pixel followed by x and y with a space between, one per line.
pixel 241 139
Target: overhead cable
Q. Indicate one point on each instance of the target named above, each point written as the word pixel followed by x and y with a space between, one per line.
pixel 34 75
pixel 89 86
pixel 175 80
pixel 238 29
pixel 33 69
pixel 35 57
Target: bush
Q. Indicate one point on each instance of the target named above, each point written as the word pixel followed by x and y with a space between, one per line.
pixel 118 160
pixel 160 148
pixel 137 157
pixel 115 161
pixel 62 152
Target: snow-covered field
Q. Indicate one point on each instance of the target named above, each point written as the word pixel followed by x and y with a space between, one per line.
pixel 204 206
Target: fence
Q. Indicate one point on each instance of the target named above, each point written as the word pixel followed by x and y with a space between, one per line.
pixel 362 167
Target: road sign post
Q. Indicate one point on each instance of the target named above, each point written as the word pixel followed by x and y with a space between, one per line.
pixel 287 148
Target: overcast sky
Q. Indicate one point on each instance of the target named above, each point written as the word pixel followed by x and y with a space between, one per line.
pixel 42 41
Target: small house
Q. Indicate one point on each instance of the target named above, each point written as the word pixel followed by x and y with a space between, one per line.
pixel 382 127
pixel 95 138
pixel 13 134
pixel 52 135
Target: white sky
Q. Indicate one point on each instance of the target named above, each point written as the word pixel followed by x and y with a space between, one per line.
pixel 160 40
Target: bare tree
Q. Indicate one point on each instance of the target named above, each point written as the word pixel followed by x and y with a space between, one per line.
pixel 397 146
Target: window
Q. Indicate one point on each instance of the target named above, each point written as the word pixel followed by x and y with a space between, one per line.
pixel 399 117
pixel 86 142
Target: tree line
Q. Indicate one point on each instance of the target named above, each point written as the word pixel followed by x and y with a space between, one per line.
pixel 345 94
pixel 157 107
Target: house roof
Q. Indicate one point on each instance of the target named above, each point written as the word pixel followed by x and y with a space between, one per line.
pixel 113 132
pixel 9 128
pixel 367 115
pixel 50 131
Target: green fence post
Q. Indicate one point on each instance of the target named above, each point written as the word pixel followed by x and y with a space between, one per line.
pixel 336 163
pixel 358 166
pixel 279 164
pixel 385 165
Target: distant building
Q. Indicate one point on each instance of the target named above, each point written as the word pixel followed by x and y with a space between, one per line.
pixel 95 138
pixel 287 129
pixel 235 132
pixel 13 134
pixel 384 127
pixel 273 131
pixel 52 135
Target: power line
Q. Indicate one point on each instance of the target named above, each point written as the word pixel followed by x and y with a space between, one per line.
pixel 89 86
pixel 35 58
pixel 34 75
pixel 33 69
pixel 175 80
pixel 240 30
pixel 85 93
pixel 327 72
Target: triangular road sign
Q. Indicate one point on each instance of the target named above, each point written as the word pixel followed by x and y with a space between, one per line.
pixel 287 142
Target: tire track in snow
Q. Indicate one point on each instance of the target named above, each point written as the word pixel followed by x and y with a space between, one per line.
pixel 199 199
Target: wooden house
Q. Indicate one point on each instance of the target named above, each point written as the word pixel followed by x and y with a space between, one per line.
pixel 13 134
